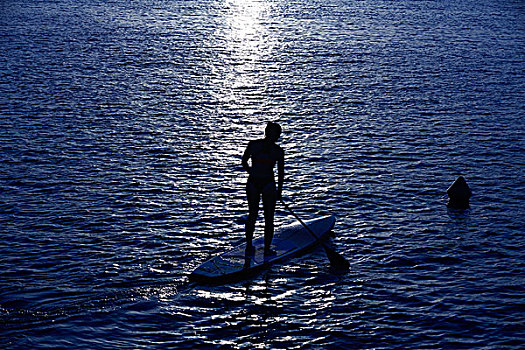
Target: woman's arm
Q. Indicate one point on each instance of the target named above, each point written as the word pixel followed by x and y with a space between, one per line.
pixel 280 176
pixel 245 158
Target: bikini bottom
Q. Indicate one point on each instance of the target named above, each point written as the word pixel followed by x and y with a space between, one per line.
pixel 261 183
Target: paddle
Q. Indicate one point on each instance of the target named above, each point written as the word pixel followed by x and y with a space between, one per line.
pixel 337 261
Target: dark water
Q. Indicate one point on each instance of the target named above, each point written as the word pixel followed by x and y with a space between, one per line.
pixel 122 124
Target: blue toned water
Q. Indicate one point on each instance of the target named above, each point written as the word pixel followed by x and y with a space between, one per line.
pixel 122 124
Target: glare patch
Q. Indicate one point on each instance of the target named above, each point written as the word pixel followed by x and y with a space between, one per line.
pixel 248 45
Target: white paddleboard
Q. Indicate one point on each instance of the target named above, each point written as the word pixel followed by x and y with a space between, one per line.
pixel 288 241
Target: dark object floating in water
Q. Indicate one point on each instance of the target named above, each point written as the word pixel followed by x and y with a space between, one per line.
pixel 236 264
pixel 459 194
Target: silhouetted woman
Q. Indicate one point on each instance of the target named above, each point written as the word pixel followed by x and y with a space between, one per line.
pixel 264 154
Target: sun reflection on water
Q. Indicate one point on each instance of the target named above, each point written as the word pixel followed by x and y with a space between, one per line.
pixel 248 44
pixel 246 30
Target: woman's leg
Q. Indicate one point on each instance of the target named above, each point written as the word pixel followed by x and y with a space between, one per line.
pixel 269 197
pixel 254 198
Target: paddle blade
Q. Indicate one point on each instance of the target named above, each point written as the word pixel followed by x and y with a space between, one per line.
pixel 337 261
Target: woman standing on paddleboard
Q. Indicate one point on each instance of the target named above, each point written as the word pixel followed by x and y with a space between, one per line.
pixel 264 154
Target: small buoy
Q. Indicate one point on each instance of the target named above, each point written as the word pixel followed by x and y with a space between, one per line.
pixel 459 194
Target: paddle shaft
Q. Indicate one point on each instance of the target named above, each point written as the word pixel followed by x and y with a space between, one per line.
pixel 299 219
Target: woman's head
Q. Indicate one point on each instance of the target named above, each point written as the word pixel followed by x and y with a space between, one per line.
pixel 273 131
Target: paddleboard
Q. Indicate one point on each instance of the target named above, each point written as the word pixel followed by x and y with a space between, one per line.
pixel 288 241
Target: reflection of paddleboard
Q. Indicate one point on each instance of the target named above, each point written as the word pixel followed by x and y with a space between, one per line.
pixel 288 241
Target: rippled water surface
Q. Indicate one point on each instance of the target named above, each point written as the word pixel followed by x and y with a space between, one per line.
pixel 122 124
